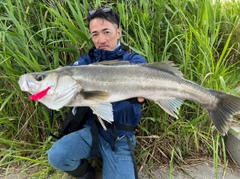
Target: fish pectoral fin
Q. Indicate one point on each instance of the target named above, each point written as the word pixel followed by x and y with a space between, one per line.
pixel 171 106
pixel 104 110
pixel 95 95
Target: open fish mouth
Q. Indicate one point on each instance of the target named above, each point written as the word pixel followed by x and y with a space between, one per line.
pixel 27 83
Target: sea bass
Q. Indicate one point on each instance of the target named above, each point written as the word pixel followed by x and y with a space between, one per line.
pixel 98 85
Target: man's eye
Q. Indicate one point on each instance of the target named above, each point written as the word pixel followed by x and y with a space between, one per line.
pixel 107 32
pixel 40 77
pixel 94 35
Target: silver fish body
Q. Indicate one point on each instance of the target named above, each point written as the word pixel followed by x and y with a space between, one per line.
pixel 98 85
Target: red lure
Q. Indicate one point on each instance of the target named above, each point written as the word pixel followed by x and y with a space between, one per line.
pixel 40 94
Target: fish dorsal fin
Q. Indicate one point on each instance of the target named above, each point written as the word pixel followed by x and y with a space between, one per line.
pixel 112 62
pixel 167 66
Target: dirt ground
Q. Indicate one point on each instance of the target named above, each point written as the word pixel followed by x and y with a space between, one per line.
pixel 202 170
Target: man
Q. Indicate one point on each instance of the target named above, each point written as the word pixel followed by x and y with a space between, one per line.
pixel 71 152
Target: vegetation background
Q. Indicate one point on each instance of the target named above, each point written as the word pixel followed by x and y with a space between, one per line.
pixel 200 36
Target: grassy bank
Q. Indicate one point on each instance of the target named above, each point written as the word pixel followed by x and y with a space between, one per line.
pixel 201 37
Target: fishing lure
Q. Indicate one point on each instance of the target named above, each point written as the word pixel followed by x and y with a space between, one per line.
pixel 40 94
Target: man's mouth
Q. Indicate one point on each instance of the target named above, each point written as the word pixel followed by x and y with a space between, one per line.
pixel 103 47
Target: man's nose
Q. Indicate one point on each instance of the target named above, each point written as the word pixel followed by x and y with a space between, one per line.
pixel 101 39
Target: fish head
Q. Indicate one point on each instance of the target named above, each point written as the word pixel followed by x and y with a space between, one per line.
pixel 36 82
pixel 54 88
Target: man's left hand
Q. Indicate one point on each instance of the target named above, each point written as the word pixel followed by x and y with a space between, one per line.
pixel 140 99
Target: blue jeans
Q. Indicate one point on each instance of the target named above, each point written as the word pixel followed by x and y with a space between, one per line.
pixel 67 152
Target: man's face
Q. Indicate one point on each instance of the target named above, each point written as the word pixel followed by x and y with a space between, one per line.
pixel 105 35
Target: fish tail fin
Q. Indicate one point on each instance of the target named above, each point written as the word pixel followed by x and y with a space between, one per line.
pixel 221 115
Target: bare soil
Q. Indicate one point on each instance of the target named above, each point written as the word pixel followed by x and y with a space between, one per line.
pixel 201 170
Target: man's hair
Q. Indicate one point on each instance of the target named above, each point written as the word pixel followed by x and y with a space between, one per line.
pixel 110 16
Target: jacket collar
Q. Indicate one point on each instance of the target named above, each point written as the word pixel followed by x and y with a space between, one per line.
pixel 102 55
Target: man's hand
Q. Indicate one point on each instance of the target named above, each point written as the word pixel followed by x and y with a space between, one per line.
pixel 140 99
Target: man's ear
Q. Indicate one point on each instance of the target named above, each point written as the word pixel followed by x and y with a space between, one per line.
pixel 119 33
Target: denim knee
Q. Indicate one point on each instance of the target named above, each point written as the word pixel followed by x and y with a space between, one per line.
pixel 61 160
pixel 67 152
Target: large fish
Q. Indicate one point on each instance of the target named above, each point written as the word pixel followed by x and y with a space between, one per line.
pixel 97 85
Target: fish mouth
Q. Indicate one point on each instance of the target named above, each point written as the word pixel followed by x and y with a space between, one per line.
pixel 28 85
pixel 22 83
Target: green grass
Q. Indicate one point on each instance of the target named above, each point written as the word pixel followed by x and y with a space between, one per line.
pixel 202 38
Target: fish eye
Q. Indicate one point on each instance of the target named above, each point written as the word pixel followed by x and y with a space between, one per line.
pixel 40 77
